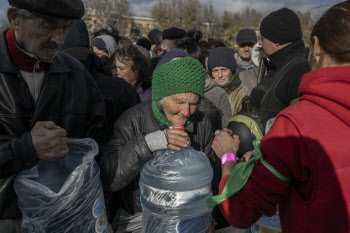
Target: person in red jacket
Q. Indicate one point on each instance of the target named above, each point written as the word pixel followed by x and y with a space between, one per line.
pixel 308 146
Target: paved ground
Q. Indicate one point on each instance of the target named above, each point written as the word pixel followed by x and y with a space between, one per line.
pixel 230 230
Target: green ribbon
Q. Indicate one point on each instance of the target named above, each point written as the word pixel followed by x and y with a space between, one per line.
pixel 240 175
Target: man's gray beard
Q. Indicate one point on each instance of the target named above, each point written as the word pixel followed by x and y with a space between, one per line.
pixel 246 59
pixel 44 56
pixel 39 54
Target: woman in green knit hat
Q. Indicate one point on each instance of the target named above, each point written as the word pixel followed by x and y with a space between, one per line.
pixel 177 89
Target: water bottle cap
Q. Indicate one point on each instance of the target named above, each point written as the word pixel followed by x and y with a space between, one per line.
pixel 179 127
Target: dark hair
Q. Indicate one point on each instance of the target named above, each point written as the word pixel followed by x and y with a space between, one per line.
pixel 144 42
pixel 212 44
pixel 194 34
pixel 158 39
pixel 333 32
pixel 193 49
pixel 123 41
pixel 113 30
pixel 140 64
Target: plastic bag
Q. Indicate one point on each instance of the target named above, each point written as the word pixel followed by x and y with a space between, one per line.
pixel 64 195
pixel 174 188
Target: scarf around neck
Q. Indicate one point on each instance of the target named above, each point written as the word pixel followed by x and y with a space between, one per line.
pixel 22 59
pixel 233 84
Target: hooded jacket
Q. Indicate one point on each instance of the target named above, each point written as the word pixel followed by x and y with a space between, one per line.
pixel 309 143
pixel 111 44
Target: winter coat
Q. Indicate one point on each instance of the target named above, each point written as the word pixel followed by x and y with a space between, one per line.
pixel 117 94
pixel 69 97
pixel 214 114
pixel 280 85
pixel 236 96
pixel 250 77
pixel 145 92
pixel 309 143
pixel 127 151
pixel 219 98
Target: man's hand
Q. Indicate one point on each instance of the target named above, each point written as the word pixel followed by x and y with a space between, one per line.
pixel 223 143
pixel 176 139
pixel 49 140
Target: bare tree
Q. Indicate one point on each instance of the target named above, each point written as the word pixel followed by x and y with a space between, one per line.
pixel 185 14
pixel 103 13
pixel 306 25
pixel 211 17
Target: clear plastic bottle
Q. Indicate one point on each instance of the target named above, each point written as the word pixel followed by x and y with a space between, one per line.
pixel 175 186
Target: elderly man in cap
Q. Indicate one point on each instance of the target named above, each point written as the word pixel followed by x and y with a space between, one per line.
pixel 45 96
pixel 172 37
pixel 281 40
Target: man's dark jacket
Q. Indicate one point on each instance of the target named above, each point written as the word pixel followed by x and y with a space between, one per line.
pixel 69 97
pixel 127 151
pixel 279 87
pixel 118 94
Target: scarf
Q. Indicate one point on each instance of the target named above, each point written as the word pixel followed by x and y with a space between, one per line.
pixel 233 84
pixel 22 59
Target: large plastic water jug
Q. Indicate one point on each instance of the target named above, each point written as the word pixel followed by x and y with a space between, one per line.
pixel 175 186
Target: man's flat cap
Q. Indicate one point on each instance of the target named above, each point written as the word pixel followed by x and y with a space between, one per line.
pixel 67 9
pixel 173 33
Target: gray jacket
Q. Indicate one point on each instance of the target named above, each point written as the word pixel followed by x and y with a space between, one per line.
pixel 219 98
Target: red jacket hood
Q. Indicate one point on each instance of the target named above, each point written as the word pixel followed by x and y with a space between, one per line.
pixel 330 89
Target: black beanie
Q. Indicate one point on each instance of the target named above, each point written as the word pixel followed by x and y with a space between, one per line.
pixel 281 26
pixel 222 57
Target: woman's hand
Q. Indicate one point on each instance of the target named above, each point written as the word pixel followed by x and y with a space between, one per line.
pixel 176 139
pixel 223 143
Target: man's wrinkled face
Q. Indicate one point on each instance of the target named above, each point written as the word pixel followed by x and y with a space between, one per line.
pixel 42 36
pixel 244 51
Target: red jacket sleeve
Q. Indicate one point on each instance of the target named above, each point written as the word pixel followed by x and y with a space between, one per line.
pixel 282 148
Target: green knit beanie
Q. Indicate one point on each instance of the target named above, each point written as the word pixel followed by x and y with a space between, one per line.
pixel 183 75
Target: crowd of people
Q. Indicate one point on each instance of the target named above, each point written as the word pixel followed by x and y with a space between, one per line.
pixel 57 82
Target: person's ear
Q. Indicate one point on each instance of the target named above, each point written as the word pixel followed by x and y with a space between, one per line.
pixel 163 45
pixel 236 45
pixel 316 52
pixel 13 18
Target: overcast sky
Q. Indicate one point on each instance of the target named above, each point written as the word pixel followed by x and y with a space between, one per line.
pixel 143 7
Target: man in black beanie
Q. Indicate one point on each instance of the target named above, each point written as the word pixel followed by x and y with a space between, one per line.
pixel 281 40
pixel 46 96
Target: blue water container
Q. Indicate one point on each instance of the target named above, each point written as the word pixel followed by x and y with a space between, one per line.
pixel 175 186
